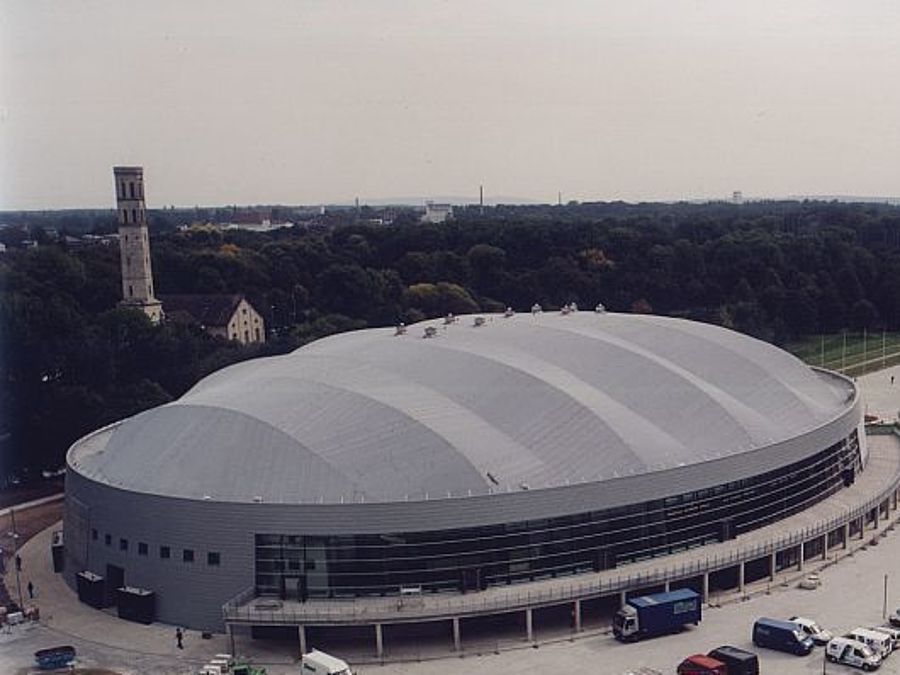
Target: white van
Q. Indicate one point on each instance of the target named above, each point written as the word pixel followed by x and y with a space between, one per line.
pixel 879 643
pixel 852 653
pixel 320 663
pixel 893 632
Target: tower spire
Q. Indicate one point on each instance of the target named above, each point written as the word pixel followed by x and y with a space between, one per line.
pixel 134 242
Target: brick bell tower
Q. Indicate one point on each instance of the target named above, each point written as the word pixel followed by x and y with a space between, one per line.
pixel 134 243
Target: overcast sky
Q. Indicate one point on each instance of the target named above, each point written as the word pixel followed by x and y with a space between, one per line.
pixel 312 102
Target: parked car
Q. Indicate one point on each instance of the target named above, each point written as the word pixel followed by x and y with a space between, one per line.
pixel 737 661
pixel 879 643
pixel 785 636
pixel 895 617
pixel 852 653
pixel 698 664
pixel 818 634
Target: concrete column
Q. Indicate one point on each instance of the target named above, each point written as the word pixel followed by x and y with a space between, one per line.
pixel 846 535
pixel 741 584
pixel 622 598
pixel 862 526
pixel 705 598
pixel 800 560
pixel 457 641
pixel 877 514
pixel 379 641
pixel 529 626
pixel 667 586
pixel 577 610
pixel 825 546
pixel 301 633
pixel 231 637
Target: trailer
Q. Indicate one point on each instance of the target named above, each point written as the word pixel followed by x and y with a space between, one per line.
pixel 54 657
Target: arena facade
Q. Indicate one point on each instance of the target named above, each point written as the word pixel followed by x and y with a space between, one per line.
pixel 503 450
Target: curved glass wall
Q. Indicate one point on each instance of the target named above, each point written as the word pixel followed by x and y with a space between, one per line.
pixel 301 566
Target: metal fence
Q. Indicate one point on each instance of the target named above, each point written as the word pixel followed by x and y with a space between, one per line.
pixel 246 608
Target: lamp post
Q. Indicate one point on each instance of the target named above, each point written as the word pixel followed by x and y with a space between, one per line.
pixel 16 560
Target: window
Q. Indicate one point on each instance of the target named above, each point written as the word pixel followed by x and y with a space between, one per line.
pixel 246 336
pixel 165 552
pixel 213 558
pixel 134 215
pixel 187 555
pixel 131 186
pixel 125 219
pixel 142 548
pixel 123 544
pixel 107 539
pixel 130 292
pixel 94 535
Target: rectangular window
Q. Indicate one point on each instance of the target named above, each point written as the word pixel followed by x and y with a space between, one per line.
pixel 213 558
pixel 94 535
pixel 187 555
pixel 107 539
pixel 131 186
pixel 142 548
pixel 165 552
pixel 123 544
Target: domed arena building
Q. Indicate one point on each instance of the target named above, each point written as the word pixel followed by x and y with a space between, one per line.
pixel 495 451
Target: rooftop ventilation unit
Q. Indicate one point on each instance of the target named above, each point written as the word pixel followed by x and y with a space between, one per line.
pixel 566 310
pixel 509 312
pixel 600 309
pixel 479 321
pixel 430 332
pixel 536 309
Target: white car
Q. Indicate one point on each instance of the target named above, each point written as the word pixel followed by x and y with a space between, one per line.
pixel 851 653
pixel 818 634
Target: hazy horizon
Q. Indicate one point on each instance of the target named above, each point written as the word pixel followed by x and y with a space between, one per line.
pixel 316 102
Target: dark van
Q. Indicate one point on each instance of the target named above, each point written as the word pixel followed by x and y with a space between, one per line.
pixel 738 661
pixel 785 636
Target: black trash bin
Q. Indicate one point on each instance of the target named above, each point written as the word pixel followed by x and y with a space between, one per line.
pixel 91 589
pixel 136 604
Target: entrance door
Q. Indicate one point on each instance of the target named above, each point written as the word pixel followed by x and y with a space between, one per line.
pixel 115 578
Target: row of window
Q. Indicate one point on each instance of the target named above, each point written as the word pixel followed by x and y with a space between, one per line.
pixel 213 558
pixel 452 560
pixel 134 194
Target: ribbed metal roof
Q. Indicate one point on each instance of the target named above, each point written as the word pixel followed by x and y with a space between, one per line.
pixel 525 402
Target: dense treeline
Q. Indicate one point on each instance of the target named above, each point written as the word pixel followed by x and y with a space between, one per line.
pixel 73 361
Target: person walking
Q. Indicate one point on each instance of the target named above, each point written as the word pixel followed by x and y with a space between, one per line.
pixel 30 590
pixel 179 636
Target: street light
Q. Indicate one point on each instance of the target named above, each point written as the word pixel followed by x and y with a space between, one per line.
pixel 15 538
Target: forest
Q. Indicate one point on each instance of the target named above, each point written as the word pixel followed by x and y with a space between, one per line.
pixel 73 360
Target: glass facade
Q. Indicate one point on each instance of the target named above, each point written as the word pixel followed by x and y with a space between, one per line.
pixel 300 566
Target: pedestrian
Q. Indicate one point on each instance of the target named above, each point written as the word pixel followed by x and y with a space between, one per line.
pixel 892 380
pixel 18 563
pixel 178 637
pixel 30 590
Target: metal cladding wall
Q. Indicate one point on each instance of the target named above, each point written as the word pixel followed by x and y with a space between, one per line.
pixel 192 593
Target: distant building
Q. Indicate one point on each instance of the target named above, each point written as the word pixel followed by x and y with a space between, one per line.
pixel 134 243
pixel 227 316
pixel 437 213
pixel 265 225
